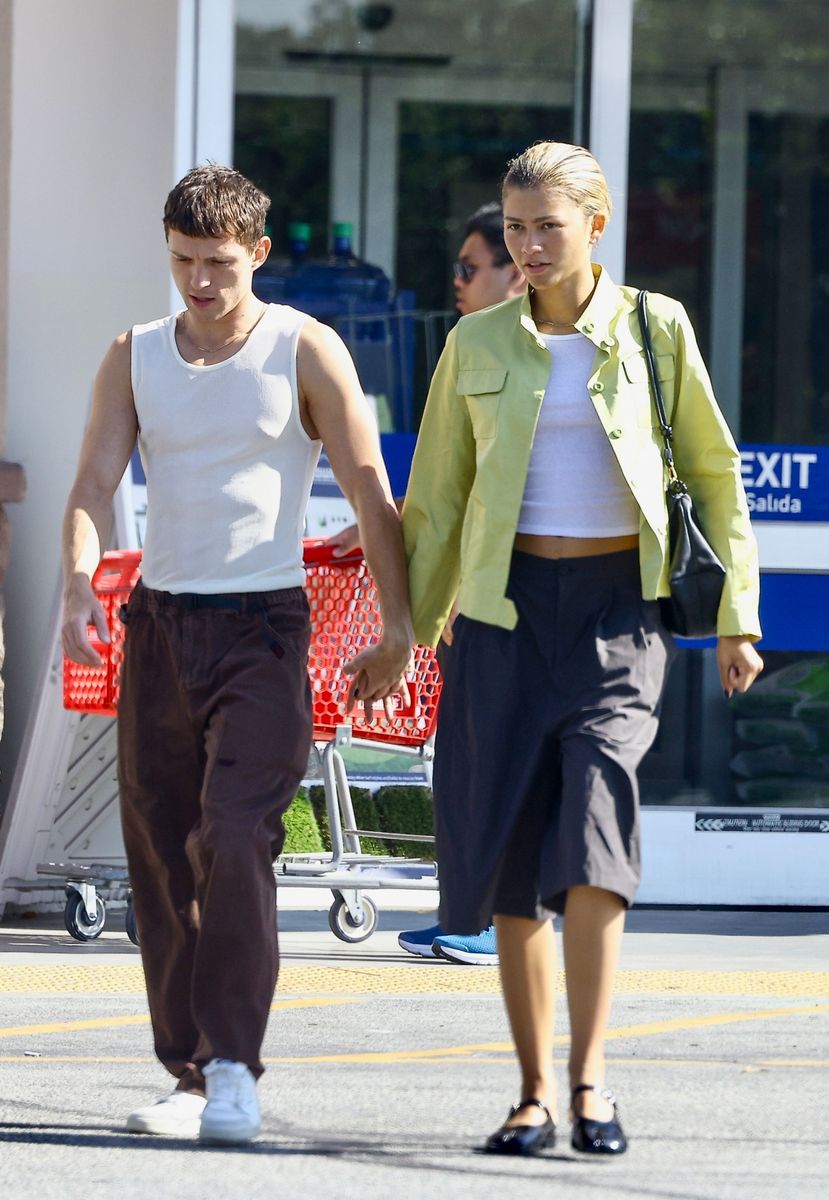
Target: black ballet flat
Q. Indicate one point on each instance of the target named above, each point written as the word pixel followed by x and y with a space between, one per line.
pixel 523 1139
pixel 598 1137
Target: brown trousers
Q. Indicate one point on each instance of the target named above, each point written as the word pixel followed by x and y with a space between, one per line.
pixel 214 731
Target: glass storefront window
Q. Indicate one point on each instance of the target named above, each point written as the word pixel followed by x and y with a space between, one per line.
pixel 397 119
pixel 728 186
pixel 785 355
pixel 769 747
pixel 452 157
pixel 282 142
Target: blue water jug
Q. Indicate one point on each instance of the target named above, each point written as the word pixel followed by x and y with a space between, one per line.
pixel 340 283
pixel 274 279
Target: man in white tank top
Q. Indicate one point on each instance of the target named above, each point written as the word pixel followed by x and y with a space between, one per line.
pixel 230 401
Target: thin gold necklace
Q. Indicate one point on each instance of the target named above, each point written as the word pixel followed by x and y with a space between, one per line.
pixel 215 349
pixel 557 324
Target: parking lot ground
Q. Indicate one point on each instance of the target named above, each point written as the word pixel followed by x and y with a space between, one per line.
pixel 385 1072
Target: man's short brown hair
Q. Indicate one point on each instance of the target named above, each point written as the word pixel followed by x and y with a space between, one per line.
pixel 214 201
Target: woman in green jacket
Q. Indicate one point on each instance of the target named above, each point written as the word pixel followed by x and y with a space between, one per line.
pixel 537 496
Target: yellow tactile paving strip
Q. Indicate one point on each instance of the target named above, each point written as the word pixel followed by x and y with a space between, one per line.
pixel 417 979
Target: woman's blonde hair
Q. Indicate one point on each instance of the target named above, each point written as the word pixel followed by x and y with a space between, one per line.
pixel 568 169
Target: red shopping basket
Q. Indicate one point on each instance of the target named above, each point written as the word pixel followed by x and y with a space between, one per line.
pixel 345 618
pixel 95 689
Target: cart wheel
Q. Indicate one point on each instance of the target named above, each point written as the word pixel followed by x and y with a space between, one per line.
pixel 342 924
pixel 130 925
pixel 77 922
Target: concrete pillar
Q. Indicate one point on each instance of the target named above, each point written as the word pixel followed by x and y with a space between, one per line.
pixel 88 101
pixel 12 477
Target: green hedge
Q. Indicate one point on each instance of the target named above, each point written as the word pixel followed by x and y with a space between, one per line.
pixel 302 835
pixel 367 817
pixel 392 809
pixel 406 809
pixel 316 795
pixel 365 813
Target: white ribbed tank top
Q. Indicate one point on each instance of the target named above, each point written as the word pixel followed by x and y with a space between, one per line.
pixel 575 486
pixel 228 464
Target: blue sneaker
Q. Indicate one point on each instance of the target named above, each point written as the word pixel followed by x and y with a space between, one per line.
pixel 479 949
pixel 419 941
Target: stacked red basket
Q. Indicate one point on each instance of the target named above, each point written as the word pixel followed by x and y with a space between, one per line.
pixel 95 689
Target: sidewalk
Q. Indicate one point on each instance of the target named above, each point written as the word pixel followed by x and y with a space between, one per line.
pixel 385 1072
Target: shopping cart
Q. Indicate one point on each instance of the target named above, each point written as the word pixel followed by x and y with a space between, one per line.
pixel 345 618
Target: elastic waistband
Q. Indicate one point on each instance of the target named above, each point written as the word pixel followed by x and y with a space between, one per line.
pixel 241 602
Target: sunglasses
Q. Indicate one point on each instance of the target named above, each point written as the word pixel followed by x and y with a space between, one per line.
pixel 464 271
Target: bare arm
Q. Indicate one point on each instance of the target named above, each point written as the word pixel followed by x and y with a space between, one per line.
pixel 335 410
pixel 347 540
pixel 107 446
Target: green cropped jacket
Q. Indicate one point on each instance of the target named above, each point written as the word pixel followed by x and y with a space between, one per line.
pixel 470 463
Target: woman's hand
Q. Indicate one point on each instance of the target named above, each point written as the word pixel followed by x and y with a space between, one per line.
pixel 448 635
pixel 346 541
pixel 739 664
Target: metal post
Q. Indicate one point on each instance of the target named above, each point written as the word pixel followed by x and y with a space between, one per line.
pixel 610 71
pixel 728 251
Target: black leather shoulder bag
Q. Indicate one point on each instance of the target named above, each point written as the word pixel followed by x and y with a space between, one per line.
pixel 696 574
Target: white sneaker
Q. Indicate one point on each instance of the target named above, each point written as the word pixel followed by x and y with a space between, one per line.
pixel 178 1115
pixel 232 1110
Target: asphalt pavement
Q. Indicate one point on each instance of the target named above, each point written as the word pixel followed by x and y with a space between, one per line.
pixel 385 1072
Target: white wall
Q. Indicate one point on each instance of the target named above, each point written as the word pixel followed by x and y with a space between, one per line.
pixel 5 144
pixel 93 156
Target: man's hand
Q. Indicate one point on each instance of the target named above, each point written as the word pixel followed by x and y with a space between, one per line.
pixel 344 542
pixel 334 409
pixel 81 608
pixel 377 674
pixel 739 664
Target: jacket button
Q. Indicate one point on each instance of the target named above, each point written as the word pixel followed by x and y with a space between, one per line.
pixel 607 343
pixel 588 327
pixel 598 386
pixel 615 433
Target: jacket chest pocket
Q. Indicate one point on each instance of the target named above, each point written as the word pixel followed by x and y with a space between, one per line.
pixel 482 389
pixel 635 372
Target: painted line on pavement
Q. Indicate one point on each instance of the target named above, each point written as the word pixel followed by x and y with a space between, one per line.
pixel 73 1026
pixel 561 1039
pixel 505 1059
pixel 621 1031
pixel 144 1018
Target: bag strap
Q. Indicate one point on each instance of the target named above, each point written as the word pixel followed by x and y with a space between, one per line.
pixel 675 483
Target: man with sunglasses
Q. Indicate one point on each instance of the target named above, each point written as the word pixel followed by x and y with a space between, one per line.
pixel 484 274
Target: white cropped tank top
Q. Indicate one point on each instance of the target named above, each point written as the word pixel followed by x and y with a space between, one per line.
pixel 575 486
pixel 228 464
